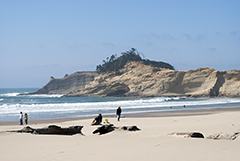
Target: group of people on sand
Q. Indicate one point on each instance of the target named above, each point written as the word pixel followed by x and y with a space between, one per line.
pixel 25 118
pixel 97 120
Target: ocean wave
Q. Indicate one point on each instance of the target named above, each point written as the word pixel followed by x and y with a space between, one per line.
pixel 46 95
pixel 42 108
pixel 31 95
pixel 9 94
pixel 155 103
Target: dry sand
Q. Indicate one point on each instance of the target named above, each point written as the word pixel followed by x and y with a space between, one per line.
pixel 151 143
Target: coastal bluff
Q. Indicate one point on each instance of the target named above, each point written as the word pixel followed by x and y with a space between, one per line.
pixel 139 80
pixel 70 83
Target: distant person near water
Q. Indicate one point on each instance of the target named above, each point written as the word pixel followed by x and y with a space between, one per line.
pixel 97 120
pixel 118 113
pixel 26 118
pixel 21 118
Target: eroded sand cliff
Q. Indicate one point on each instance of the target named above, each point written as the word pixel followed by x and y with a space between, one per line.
pixel 69 84
pixel 140 80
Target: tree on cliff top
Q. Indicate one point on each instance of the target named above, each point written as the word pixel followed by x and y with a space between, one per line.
pixel 115 64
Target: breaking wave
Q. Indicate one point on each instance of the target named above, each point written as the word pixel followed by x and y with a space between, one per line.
pixel 56 106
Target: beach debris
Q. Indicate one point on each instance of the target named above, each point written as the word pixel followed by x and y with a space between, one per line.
pixel 196 135
pixel 109 128
pixel 104 129
pixel 188 134
pixel 53 130
pixel 130 128
pixel 217 136
pixel 221 136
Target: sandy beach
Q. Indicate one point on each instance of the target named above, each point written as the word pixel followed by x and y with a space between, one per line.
pixel 152 142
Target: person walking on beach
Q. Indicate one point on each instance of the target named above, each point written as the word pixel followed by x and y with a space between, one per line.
pixel 26 118
pixel 118 113
pixel 21 118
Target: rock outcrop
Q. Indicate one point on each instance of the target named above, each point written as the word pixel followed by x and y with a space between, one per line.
pixel 70 83
pixel 145 81
pixel 137 79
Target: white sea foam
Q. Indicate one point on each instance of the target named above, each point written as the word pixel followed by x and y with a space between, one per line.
pixel 54 105
pixel 33 95
pixel 46 95
pixel 9 94
pixel 111 105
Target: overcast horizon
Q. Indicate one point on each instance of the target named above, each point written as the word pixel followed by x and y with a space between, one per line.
pixel 40 39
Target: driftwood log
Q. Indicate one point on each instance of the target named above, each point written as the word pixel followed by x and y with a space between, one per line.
pixel 189 134
pixel 221 136
pixel 52 129
pixel 109 128
pixel 130 128
pixel 104 129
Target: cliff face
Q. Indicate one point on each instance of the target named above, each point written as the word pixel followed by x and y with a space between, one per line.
pixel 70 83
pixel 141 80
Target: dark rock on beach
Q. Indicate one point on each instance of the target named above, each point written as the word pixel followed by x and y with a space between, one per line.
pixel 196 135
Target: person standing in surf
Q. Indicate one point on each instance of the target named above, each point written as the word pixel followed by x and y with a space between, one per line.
pixel 119 111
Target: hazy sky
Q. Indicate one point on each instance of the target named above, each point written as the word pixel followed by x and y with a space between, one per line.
pixel 44 38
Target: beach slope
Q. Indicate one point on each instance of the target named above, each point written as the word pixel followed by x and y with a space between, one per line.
pixel 155 140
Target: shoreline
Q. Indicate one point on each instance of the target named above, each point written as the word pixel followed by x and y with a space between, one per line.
pixel 133 115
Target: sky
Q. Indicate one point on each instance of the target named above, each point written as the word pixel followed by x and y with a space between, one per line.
pixel 44 38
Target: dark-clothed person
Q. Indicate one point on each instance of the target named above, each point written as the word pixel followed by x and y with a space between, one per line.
pixel 118 113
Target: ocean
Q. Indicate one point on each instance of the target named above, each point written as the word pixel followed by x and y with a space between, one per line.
pixel 55 106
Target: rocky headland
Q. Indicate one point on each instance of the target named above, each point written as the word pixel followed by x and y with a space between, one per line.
pixel 69 84
pixel 139 80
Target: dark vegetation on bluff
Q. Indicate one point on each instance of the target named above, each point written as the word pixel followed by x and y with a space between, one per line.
pixel 114 64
